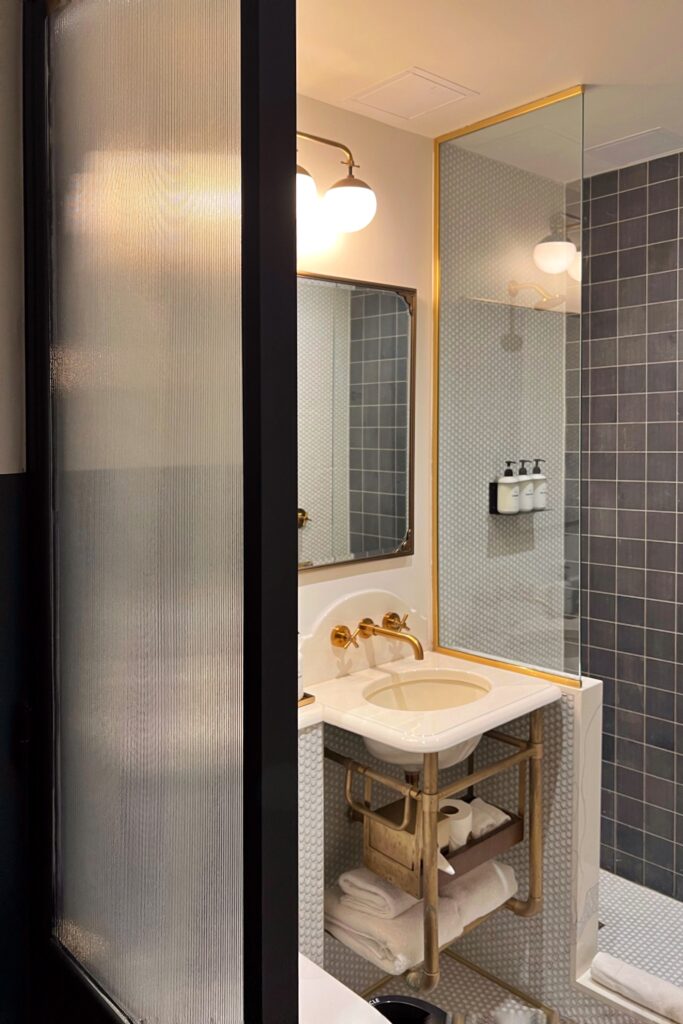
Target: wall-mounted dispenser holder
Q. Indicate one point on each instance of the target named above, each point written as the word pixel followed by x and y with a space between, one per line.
pixel 512 494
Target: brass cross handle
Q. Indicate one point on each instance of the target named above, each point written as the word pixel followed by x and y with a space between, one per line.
pixel 392 620
pixel 341 636
pixel 302 517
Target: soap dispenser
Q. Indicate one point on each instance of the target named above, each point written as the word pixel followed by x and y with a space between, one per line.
pixel 507 491
pixel 526 488
pixel 540 482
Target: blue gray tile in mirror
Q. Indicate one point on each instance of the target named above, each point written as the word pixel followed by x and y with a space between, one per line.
pixel 355 381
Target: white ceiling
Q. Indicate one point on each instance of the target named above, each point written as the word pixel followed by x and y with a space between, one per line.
pixel 629 53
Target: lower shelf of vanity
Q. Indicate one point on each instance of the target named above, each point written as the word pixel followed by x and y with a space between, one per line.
pixel 397 855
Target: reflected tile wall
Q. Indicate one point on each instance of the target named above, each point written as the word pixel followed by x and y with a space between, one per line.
pixel 378 432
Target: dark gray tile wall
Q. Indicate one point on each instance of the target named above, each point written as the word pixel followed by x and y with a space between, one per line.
pixel 572 486
pixel 632 579
pixel 378 433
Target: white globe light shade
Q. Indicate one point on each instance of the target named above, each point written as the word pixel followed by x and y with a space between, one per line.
pixel 574 270
pixel 306 192
pixel 554 255
pixel 350 204
pixel 314 234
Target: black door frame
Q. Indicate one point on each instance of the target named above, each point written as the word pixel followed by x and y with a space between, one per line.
pixel 59 990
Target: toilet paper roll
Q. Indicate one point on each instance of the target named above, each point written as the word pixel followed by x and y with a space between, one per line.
pixel 443 831
pixel 459 816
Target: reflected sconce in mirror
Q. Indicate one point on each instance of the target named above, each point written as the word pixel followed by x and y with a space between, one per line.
pixel 349 205
pixel 574 270
pixel 557 254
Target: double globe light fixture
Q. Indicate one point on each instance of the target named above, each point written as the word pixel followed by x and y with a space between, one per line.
pixel 348 205
pixel 556 254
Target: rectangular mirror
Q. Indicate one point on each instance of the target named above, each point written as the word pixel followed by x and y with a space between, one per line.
pixel 356 357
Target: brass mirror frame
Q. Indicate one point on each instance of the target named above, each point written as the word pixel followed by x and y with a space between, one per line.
pixel 409 295
pixel 564 679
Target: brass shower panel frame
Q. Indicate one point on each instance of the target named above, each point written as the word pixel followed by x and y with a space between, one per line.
pixel 527 757
pixel 561 678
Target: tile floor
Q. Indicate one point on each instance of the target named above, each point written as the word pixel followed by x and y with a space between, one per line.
pixel 462 991
pixel 641 927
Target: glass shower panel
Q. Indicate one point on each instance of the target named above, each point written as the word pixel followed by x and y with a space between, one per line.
pixel 147 450
pixel 509 386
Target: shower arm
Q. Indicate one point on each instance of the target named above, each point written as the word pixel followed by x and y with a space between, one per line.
pixel 547 300
pixel 515 287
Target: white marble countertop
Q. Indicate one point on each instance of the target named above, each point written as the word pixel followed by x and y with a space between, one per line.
pixel 342 702
pixel 311 714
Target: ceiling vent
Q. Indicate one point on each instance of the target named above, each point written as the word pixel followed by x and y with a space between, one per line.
pixel 411 94
pixel 632 149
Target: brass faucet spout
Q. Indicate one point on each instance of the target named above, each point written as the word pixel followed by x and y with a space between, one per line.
pixel 367 628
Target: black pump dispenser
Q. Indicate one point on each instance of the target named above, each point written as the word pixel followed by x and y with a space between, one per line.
pixel 508 468
pixel 537 466
pixel 522 467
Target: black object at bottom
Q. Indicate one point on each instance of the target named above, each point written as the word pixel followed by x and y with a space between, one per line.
pixel 406 1010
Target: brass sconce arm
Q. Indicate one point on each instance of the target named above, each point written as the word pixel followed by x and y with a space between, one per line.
pixel 349 161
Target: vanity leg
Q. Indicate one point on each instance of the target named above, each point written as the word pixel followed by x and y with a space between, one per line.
pixel 426 978
pixel 534 903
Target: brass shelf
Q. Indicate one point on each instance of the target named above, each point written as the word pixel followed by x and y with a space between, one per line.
pixel 487 847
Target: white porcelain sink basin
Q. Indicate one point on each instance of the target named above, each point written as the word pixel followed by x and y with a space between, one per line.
pixel 405 709
pixel 427 693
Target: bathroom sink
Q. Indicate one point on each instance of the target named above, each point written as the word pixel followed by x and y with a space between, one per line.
pixel 429 692
pixel 406 708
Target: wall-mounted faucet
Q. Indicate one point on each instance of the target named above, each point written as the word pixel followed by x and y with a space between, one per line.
pixel 392 627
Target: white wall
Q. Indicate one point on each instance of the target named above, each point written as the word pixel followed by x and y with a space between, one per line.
pixel 395 249
pixel 12 459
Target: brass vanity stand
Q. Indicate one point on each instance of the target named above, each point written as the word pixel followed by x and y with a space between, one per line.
pixel 417 816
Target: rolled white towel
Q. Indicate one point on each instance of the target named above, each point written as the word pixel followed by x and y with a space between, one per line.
pixel 486 817
pixel 392 944
pixel 365 891
pixel 640 987
pixel 482 890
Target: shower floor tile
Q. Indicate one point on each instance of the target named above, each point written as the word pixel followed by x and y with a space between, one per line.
pixel 641 927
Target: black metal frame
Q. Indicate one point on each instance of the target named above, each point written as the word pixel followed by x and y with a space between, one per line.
pixel 270 475
pixel 60 990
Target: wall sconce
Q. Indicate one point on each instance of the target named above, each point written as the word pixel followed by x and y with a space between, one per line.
pixel 574 269
pixel 556 254
pixel 350 204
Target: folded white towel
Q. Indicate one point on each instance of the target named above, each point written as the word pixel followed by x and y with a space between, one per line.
pixel 639 986
pixel 486 817
pixel 365 891
pixel 392 944
pixel 396 944
pixel 482 890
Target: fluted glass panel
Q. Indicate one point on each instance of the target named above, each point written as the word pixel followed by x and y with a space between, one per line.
pixel 147 409
pixel 12 414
